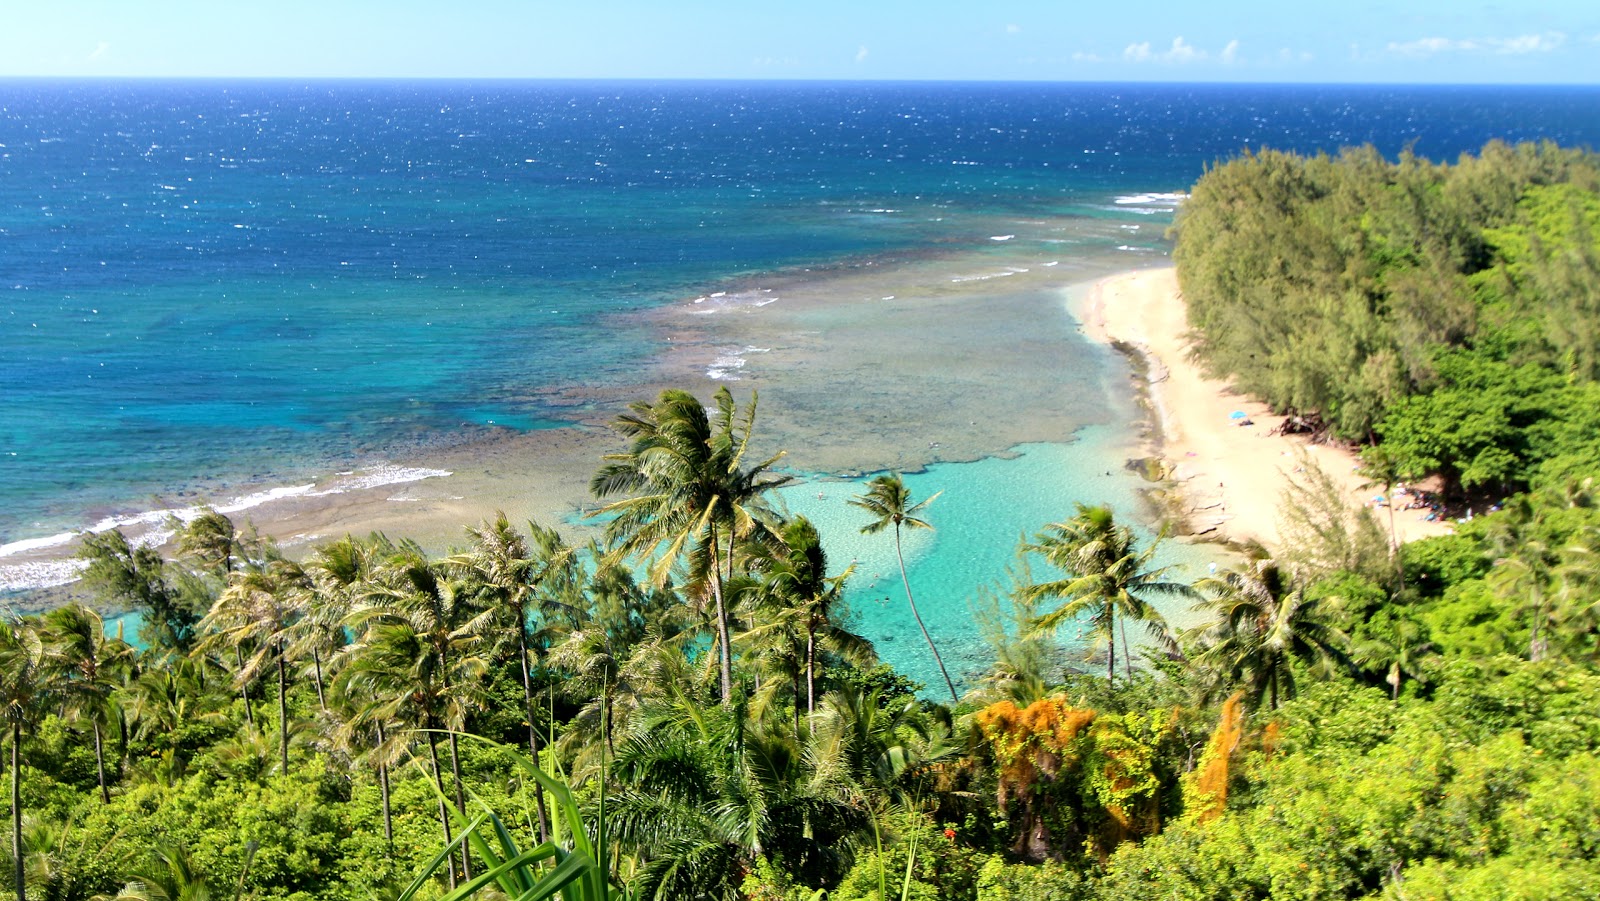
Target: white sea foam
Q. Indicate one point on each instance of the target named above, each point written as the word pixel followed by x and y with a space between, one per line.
pixel 1001 237
pixel 727 365
pixel 153 531
pixel 725 301
pixel 377 477
pixel 958 279
pixel 44 574
pixel 1154 197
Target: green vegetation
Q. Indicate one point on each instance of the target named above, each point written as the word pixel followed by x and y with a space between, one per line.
pixel 1449 310
pixel 684 711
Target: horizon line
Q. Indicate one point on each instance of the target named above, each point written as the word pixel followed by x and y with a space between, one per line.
pixel 636 79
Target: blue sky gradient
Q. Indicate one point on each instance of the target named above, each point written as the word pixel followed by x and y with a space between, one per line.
pixel 1423 41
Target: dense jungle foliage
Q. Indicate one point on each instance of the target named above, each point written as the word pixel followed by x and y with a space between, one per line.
pixel 1352 721
pixel 1451 311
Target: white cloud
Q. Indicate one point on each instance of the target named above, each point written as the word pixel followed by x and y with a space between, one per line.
pixel 1230 53
pixel 1180 53
pixel 1013 29
pixel 1519 44
pixel 861 55
pixel 1531 43
pixel 1081 57
pixel 100 50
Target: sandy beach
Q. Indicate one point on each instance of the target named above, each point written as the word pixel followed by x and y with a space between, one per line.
pixel 1232 477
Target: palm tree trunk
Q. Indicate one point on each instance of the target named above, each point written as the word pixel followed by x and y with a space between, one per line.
pixel 316 661
pixel 461 804
pixel 905 580
pixel 527 708
pixel 725 661
pixel 1111 644
pixel 438 780
pixel 811 668
pixel 283 715
pixel 383 789
pixel 244 687
pixel 1394 540
pixel 1127 654
pixel 795 689
pixel 100 763
pixel 16 811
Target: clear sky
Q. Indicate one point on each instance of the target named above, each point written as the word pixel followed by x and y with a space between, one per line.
pixel 1400 41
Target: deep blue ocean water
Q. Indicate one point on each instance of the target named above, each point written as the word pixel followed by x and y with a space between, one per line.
pixel 206 281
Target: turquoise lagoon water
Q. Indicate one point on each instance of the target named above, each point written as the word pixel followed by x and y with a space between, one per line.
pixel 985 509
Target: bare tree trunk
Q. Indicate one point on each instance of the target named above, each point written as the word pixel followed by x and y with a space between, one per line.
pixel 438 780
pixel 905 580
pixel 100 763
pixel 726 658
pixel 316 661
pixel 16 811
pixel 283 715
pixel 244 687
pixel 1127 649
pixel 1111 647
pixel 383 789
pixel 527 707
pixel 461 805
pixel 811 669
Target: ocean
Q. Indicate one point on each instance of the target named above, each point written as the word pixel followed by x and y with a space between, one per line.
pixel 243 292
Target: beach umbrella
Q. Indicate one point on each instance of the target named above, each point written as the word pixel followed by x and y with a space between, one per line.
pixel 1236 414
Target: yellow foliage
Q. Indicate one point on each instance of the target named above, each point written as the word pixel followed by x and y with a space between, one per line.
pixel 1032 742
pixel 1210 783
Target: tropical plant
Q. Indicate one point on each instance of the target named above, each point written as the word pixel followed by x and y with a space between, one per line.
pixel 26 691
pixel 257 612
pixel 690 495
pixel 126 575
pixel 419 657
pixel 798 602
pixel 1107 574
pixel 1264 627
pixel 1399 653
pixel 889 502
pixel 509 575
pixel 90 666
pixel 1381 470
pixel 570 865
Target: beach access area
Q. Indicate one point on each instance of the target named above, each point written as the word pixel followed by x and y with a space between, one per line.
pixel 1225 451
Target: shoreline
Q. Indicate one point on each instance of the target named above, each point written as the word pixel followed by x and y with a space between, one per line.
pixel 1229 476
pixel 812 342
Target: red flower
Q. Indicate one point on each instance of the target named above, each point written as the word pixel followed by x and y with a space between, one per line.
pixel 949 833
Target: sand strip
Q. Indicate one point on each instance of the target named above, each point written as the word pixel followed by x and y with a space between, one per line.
pixel 1232 476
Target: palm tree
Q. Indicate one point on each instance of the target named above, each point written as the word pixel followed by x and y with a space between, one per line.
pixel 889 502
pixel 339 573
pixel 418 657
pixel 1264 626
pixel 707 791
pixel 798 597
pixel 1401 653
pixel 258 610
pixel 1381 470
pixel 690 495
pixel 25 693
pixel 89 662
pixel 509 574
pixel 1107 574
